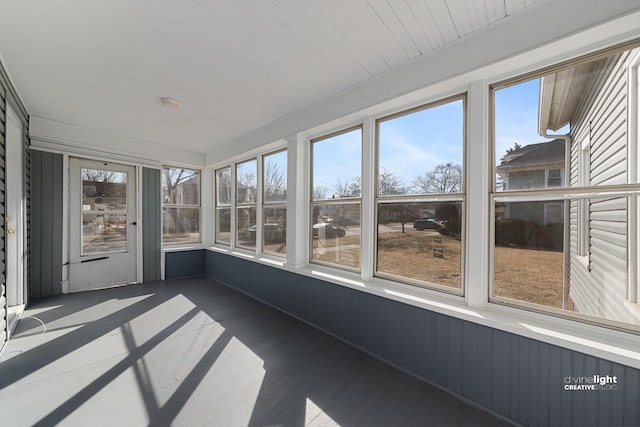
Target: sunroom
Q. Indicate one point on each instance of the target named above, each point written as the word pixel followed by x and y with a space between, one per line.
pixel 448 189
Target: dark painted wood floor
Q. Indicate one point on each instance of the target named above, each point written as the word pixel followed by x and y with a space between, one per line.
pixel 194 353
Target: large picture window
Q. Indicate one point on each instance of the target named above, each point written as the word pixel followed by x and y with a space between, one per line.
pixel 420 195
pixel 336 199
pixel 563 243
pixel 181 205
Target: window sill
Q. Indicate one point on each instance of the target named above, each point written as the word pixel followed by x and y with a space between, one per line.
pixel 184 247
pixel 616 346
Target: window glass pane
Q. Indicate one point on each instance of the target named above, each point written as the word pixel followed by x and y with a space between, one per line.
pixel 104 190
pixel 422 152
pixel 522 155
pixel 246 224
pixel 336 234
pixel 275 177
pixel 180 225
pixel 275 230
pixel 337 165
pixel 570 254
pixel 421 241
pixel 223 187
pixel 530 252
pixel 223 225
pixel 247 184
pixel 104 233
pixel 180 186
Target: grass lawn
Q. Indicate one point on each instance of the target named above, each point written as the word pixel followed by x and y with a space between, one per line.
pixel 411 254
pixel 523 274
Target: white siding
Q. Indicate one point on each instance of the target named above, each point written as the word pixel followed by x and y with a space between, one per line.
pixel 600 288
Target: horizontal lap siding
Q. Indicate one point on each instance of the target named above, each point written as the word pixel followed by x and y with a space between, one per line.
pixel 600 289
pixel 512 375
pixel 3 294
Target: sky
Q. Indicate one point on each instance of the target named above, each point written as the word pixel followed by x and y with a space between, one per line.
pixel 415 143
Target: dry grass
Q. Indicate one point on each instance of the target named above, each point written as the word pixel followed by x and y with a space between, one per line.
pixel 523 274
pixel 529 275
pixel 411 255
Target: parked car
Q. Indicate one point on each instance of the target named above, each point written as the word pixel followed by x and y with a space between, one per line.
pixel 273 233
pixel 328 230
pixel 426 224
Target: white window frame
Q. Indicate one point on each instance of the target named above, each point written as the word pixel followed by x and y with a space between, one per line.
pixel 218 207
pixel 260 239
pixel 335 201
pixel 424 198
pixel 247 205
pixel 182 205
pixel 548 177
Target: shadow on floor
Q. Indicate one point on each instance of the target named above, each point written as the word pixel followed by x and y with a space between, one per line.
pixel 194 352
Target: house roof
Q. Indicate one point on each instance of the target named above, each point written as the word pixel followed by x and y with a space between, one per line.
pixel 561 93
pixel 539 155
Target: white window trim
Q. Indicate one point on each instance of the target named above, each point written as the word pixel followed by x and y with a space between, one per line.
pixel 187 245
pixel 633 176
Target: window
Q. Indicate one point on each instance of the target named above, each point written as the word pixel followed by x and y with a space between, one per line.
pixel 181 205
pixel 336 199
pixel 223 206
pixel 246 199
pixel 274 200
pixel 420 195
pixel 542 234
pixel 554 177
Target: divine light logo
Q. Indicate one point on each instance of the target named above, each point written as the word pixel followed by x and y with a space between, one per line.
pixel 591 383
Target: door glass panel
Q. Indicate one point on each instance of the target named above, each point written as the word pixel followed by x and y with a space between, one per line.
pixel 104 211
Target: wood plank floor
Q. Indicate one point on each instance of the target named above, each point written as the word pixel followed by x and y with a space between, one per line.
pixel 193 353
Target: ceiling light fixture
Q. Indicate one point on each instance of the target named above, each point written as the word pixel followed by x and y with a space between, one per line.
pixel 170 103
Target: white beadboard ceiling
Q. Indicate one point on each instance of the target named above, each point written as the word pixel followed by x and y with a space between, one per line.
pixel 235 65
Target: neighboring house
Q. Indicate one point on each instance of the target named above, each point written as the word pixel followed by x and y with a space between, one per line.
pixel 530 167
pixel 598 100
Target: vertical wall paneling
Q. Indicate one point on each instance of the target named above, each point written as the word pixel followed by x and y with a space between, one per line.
pixel 184 264
pixel 46 223
pixel 151 225
pixel 511 375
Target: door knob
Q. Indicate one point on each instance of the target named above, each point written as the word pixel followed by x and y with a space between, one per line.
pixel 11 232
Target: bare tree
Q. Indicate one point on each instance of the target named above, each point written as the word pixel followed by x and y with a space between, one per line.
pixel 96 175
pixel 174 178
pixel 320 193
pixel 247 187
pixel 351 188
pixel 275 183
pixel 390 184
pixel 179 181
pixel 444 178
